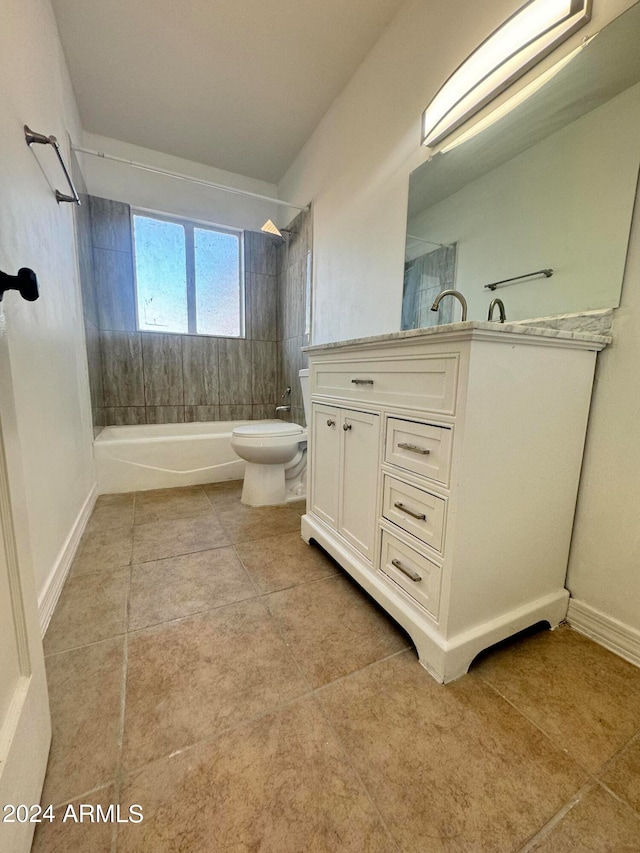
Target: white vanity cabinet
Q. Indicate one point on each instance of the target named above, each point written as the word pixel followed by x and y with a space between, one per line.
pixel 344 473
pixel 444 468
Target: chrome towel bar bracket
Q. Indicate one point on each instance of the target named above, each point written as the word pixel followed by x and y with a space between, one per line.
pixel 32 137
pixel 546 273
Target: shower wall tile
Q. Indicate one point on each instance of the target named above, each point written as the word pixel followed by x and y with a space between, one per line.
pixel 292 295
pixel 98 422
pixel 297 416
pixel 235 413
pixel 150 377
pixel 265 372
pixel 260 253
pixel 165 414
pixel 111 224
pixel 292 307
pixel 113 281
pixel 94 360
pixel 85 260
pixel 124 415
pixel 200 371
pixel 262 306
pixel 162 361
pixel 235 371
pixel 262 412
pixel 292 362
pixel 201 413
pixel 122 369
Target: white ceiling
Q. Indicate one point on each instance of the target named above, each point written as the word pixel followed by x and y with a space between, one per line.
pixel 236 84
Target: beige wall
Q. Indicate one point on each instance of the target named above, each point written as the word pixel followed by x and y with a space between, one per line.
pixel 356 169
pixel 138 188
pixel 604 568
pixel 45 338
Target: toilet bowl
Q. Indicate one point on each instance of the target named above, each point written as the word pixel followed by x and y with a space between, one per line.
pixel 276 458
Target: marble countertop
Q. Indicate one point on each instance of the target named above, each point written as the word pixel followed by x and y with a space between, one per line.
pixel 465 329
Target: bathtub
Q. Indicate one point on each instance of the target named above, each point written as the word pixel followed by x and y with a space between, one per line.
pixel 159 456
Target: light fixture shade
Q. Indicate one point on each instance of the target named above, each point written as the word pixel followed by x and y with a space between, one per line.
pixel 515 47
pixel 270 228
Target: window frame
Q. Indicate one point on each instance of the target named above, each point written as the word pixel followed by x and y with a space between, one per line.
pixel 189 226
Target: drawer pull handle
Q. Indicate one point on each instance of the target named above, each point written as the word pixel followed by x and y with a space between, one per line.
pixel 414 576
pixel 331 422
pixel 419 515
pixel 345 427
pixel 362 381
pixel 414 448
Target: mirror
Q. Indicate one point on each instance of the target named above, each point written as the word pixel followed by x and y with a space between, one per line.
pixel 550 185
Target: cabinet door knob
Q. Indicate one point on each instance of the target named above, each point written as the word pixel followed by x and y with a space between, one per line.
pixel 345 427
pixel 331 422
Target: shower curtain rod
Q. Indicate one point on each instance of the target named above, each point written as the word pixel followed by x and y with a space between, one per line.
pixel 179 176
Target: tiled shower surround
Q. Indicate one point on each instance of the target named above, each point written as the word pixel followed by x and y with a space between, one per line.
pixel 294 268
pixel 149 377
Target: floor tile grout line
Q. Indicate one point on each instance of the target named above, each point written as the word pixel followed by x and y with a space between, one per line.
pixel 296 585
pixel 342 678
pixel 537 726
pixel 604 767
pixel 287 646
pixel 128 773
pixel 123 698
pixel 624 802
pixel 354 769
pixel 85 645
pixel 170 519
pixel 557 818
pixel 211 738
pixel 247 572
pixel 189 615
pixel 81 796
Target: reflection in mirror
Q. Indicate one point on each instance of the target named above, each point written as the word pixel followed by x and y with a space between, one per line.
pixel 551 184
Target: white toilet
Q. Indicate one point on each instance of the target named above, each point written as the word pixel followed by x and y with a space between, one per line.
pixel 276 457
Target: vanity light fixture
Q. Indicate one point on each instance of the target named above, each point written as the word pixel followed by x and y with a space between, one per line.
pixel 514 48
pixel 520 97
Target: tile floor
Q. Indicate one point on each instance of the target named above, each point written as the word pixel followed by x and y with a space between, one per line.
pixel 205 663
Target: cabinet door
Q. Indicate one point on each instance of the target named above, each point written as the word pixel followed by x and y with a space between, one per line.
pixel 325 463
pixel 360 437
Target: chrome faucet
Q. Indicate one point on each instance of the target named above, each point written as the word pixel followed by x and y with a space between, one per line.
pixel 492 305
pixel 457 295
pixel 287 393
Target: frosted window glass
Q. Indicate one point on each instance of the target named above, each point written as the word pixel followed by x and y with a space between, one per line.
pixel 161 275
pixel 218 296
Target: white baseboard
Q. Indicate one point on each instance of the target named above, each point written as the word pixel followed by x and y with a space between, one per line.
pixel 53 587
pixel 609 632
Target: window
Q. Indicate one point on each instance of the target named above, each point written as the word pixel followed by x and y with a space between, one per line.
pixel 188 277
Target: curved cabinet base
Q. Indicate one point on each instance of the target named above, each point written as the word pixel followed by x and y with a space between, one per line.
pixel 444 659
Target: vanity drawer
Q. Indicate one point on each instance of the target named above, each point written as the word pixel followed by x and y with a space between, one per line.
pixel 420 383
pixel 422 448
pixel 415 511
pixel 415 574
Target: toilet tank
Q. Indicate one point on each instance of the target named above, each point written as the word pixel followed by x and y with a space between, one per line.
pixel 304 384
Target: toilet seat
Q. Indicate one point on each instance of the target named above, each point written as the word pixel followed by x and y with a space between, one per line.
pixel 268 430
